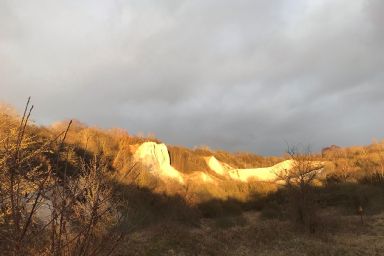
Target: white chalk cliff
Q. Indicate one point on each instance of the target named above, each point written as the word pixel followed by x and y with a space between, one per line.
pixel 156 157
pixel 217 166
pixel 269 174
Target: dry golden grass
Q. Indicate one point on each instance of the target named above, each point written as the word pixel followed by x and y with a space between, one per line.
pixel 354 177
pixel 254 236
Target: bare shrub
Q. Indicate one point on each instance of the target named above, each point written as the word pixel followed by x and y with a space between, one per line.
pixel 43 209
pixel 299 181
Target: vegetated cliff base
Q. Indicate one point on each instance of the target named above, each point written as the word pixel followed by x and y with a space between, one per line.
pixel 202 174
pixel 338 212
pixel 215 179
pixel 205 202
pixel 197 175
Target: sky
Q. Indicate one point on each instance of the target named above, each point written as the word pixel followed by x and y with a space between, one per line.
pixel 239 75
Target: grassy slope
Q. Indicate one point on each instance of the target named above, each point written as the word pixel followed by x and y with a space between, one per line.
pixel 351 180
pixel 251 235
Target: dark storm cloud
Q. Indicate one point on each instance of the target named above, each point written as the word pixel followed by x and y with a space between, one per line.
pixel 239 75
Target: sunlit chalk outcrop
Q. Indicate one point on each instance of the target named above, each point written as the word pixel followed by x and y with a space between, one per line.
pixel 217 166
pixel 270 174
pixel 156 157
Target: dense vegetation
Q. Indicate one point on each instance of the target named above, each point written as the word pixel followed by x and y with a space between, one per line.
pixel 70 189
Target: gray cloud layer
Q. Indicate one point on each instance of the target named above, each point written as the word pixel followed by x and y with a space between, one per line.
pixel 239 75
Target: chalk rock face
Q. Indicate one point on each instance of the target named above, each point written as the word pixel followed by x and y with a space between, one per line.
pixel 262 174
pixel 156 157
pixel 217 166
pixel 269 174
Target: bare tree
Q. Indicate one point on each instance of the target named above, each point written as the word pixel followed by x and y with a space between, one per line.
pixel 299 181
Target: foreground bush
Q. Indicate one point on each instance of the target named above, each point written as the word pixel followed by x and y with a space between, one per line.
pixel 44 210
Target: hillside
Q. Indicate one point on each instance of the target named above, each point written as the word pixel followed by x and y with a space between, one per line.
pixel 68 186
